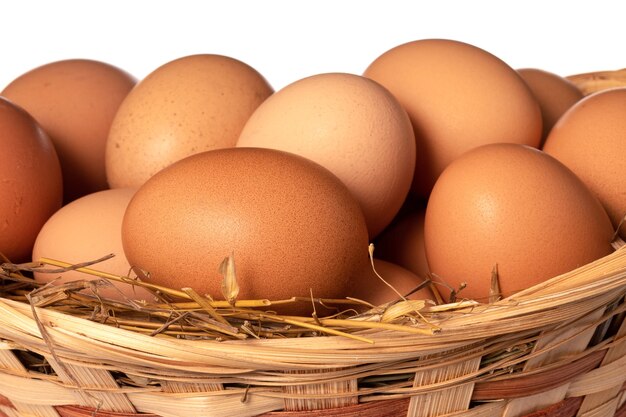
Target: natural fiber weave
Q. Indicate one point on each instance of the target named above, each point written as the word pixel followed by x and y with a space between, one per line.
pixel 556 349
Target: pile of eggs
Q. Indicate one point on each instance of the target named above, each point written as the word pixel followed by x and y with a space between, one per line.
pixel 452 163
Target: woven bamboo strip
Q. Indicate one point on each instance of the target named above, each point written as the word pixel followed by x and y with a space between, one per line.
pixel 78 411
pixel 568 340
pixel 29 390
pixel 9 412
pixel 552 346
pixel 30 411
pixel 602 410
pixel 96 386
pixel 483 410
pixel 205 406
pixel 610 395
pixel 8 361
pixel 40 392
pixel 522 384
pixel 187 387
pixel 446 401
pixel 390 408
pixel 600 379
pixel 623 397
pixel 565 408
pixel 341 386
pixel 622 402
pixel 23 409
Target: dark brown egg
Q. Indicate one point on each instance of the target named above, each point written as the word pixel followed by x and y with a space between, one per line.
pixel 515 208
pixel 75 101
pixel 292 226
pixel 30 176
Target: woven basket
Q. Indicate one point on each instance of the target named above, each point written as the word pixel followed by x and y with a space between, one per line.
pixel 554 350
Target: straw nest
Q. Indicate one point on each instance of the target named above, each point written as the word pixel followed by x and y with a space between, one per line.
pixel 555 349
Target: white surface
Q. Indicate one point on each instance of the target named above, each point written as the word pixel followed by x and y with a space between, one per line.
pixel 289 39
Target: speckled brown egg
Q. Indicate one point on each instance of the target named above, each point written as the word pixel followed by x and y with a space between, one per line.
pixel 458 97
pixel 30 177
pixel 590 139
pixel 555 95
pixel 75 101
pixel 88 229
pixel 189 105
pixel 514 207
pixel 372 289
pixel 349 124
pixel 290 224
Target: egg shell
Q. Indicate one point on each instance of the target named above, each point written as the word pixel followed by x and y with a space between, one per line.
pixel 186 106
pixel 291 226
pixel 458 96
pixel 555 95
pixel 402 242
pixel 590 139
pixel 514 207
pixel 87 229
pixel 372 289
pixel 31 179
pixel 75 101
pixel 349 124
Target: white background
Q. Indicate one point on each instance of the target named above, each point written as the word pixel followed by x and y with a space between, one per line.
pixel 289 39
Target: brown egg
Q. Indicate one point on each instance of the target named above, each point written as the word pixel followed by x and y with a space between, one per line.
pixel 290 224
pixel 402 242
pixel 590 138
pixel 458 96
pixel 515 207
pixel 75 101
pixel 192 104
pixel 349 124
pixel 372 289
pixel 555 95
pixel 84 230
pixel 30 175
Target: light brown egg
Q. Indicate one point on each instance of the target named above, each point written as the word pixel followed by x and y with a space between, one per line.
pixel 84 230
pixel 458 97
pixel 189 105
pixel 30 177
pixel 290 224
pixel 372 289
pixel 402 242
pixel 514 207
pixel 349 124
pixel 75 101
pixel 590 139
pixel 555 95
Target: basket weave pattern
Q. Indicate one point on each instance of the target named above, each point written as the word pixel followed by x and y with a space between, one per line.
pixel 553 350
